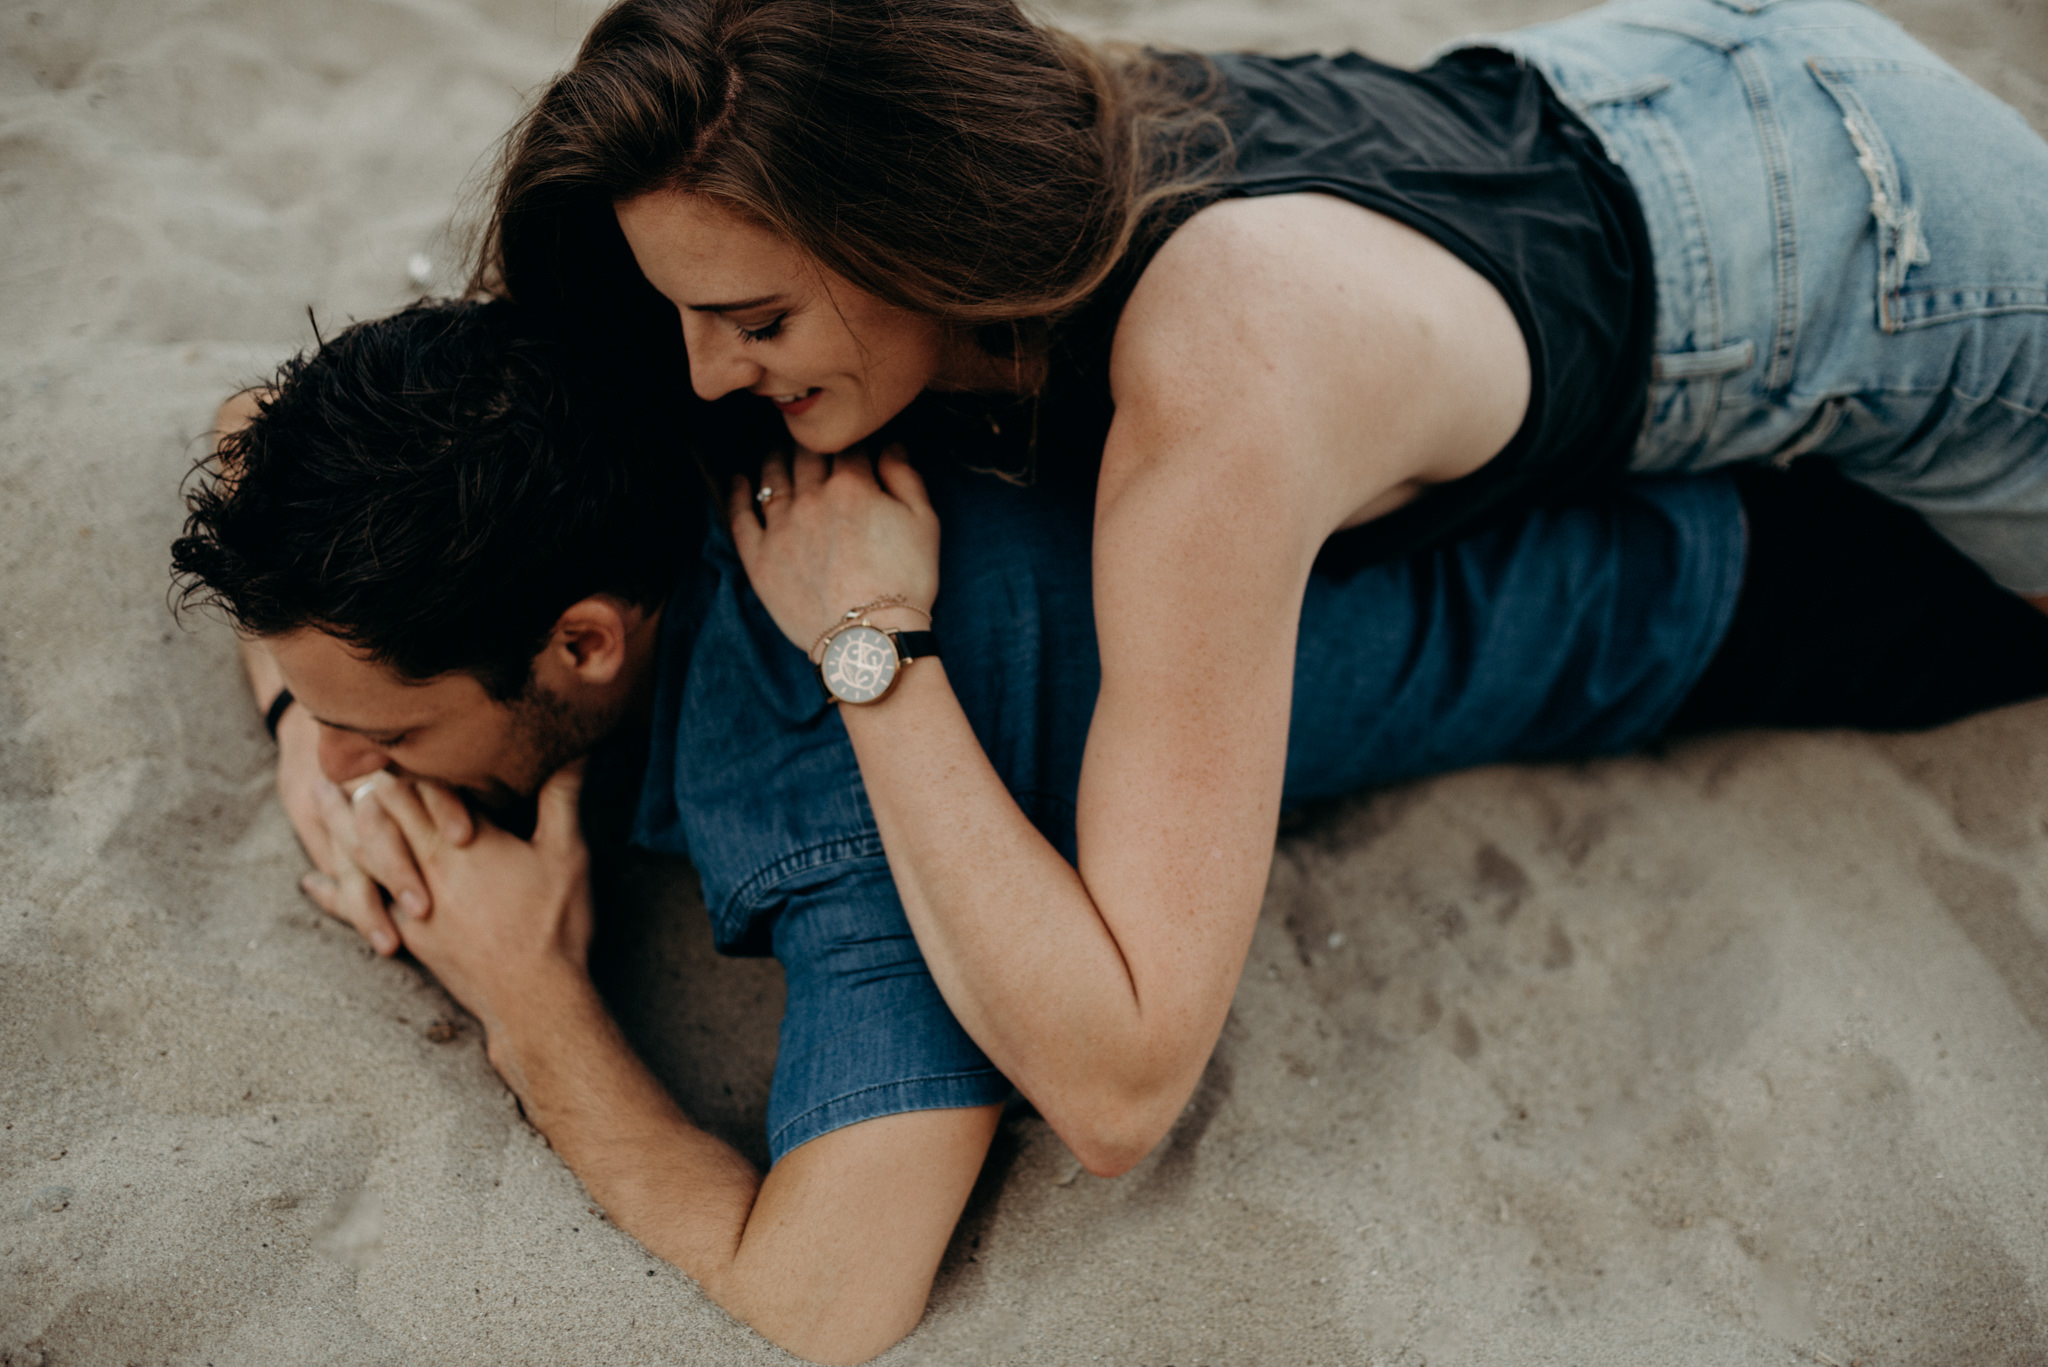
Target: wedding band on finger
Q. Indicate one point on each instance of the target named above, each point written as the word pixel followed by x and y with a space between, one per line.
pixel 765 494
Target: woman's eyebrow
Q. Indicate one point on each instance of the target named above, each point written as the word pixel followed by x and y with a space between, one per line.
pixel 742 305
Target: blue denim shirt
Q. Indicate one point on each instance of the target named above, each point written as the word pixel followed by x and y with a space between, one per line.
pixel 1575 631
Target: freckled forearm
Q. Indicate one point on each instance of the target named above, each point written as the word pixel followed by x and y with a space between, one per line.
pixel 1100 990
pixel 1020 949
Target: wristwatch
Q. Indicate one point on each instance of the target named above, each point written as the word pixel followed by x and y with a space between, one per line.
pixel 861 662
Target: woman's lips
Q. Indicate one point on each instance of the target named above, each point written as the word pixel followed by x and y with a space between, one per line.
pixel 802 402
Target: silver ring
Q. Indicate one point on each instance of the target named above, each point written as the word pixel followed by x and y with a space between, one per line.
pixel 763 497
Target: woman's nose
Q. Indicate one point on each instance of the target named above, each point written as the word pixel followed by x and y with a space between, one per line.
pixel 718 365
pixel 345 756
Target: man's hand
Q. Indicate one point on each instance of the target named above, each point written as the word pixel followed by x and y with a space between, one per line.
pixel 300 784
pixel 344 888
pixel 379 848
pixel 512 918
pixel 342 842
pixel 343 884
pixel 362 860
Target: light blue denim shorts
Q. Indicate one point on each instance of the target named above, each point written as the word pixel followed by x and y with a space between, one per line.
pixel 1851 253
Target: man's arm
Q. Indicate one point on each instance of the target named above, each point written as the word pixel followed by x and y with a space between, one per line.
pixel 831 1255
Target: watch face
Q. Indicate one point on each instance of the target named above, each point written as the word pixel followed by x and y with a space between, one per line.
pixel 859 665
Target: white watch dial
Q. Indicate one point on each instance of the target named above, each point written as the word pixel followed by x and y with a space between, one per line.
pixel 859 664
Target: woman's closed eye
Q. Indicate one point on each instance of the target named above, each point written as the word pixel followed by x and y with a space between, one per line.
pixel 766 332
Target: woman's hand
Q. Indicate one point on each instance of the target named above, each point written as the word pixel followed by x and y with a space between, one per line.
pixel 823 541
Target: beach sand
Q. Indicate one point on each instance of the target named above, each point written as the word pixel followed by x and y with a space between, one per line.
pixel 1732 1054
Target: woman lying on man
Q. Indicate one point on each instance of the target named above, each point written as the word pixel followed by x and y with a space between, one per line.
pixel 457 568
pixel 1310 312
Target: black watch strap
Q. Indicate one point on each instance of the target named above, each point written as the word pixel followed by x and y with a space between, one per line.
pixel 275 714
pixel 916 645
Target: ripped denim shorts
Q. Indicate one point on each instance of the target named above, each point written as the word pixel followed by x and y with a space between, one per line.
pixel 1851 253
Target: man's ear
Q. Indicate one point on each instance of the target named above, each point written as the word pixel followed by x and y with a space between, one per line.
pixel 589 644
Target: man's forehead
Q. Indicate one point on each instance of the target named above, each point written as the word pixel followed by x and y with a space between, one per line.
pixel 340 684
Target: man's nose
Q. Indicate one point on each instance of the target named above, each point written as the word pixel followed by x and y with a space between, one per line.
pixel 718 364
pixel 346 756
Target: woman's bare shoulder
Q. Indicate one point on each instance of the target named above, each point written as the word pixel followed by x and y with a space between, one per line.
pixel 1290 247
pixel 1311 320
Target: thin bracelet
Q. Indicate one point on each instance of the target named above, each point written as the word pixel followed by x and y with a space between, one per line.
pixel 887 600
pixel 275 714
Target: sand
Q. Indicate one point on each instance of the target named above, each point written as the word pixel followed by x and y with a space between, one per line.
pixel 1727 1055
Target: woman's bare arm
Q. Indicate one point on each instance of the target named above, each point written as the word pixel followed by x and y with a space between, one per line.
pixel 1099 991
pixel 1267 394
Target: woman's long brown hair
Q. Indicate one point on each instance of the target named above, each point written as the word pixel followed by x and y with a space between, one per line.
pixel 949 156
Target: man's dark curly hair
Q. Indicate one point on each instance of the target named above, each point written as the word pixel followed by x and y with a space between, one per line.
pixel 435 488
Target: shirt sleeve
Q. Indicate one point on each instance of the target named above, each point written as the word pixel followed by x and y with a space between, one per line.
pixel 865 1032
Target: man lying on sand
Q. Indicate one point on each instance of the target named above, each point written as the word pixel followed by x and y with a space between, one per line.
pixel 468 573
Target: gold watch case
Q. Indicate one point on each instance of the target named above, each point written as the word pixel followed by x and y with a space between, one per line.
pixel 860 663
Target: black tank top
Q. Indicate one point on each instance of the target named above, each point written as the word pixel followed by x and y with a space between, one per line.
pixel 1476 153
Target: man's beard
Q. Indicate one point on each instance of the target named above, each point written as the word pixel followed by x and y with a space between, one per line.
pixel 551 733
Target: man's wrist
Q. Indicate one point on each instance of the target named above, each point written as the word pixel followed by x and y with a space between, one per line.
pixel 542 993
pixel 556 1006
pixel 296 730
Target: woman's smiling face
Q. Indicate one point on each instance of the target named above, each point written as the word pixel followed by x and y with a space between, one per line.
pixel 759 315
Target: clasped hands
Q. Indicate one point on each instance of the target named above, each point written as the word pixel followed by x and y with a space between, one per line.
pixel 498 920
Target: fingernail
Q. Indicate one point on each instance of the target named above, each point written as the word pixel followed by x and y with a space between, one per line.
pixel 412 903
